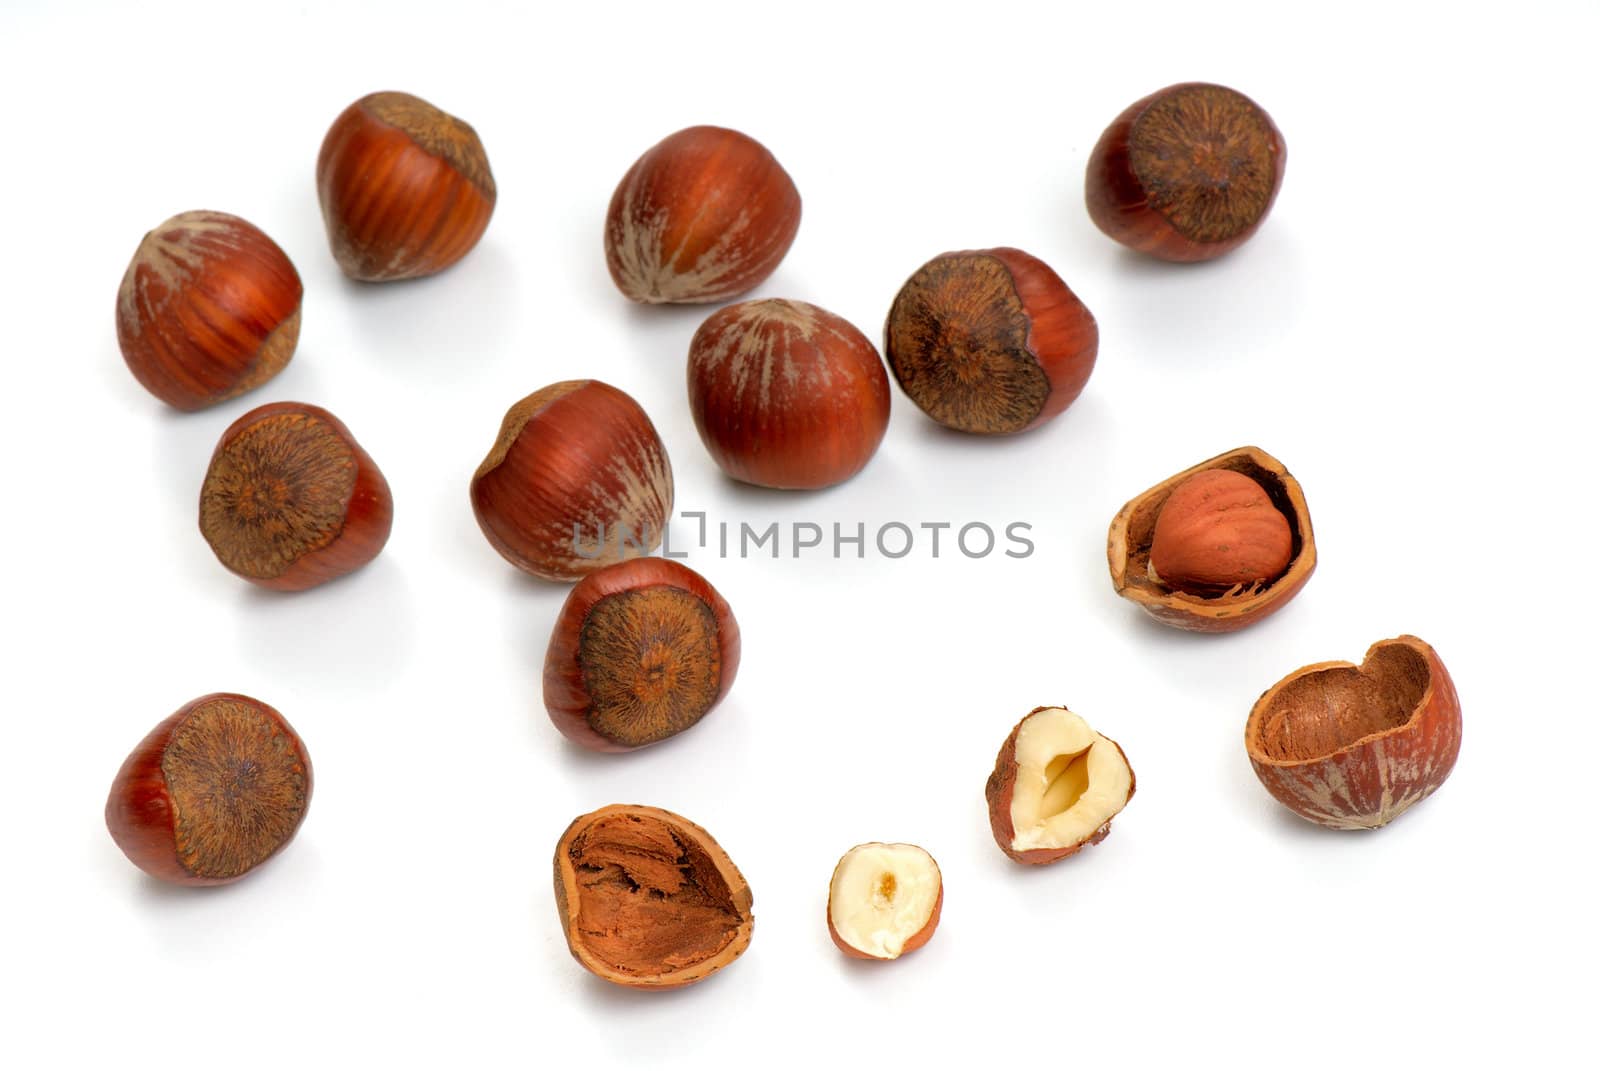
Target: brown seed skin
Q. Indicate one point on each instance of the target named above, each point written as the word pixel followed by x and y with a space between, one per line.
pixel 577 454
pixel 368 512
pixel 139 810
pixel 1128 547
pixel 702 216
pixel 406 188
pixel 208 309
pixel 1217 530
pixel 1120 204
pixel 1326 743
pixel 786 394
pixel 566 694
pixel 656 927
pixel 1059 335
pixel 1001 787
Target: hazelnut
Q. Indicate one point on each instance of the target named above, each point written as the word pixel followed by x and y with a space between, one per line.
pixel 703 216
pixel 290 499
pixel 643 650
pixel 1187 173
pixel 1056 786
pixel 1216 547
pixel 406 189
pixel 1353 747
pixel 990 342
pixel 576 480
pixel 211 793
pixel 1218 532
pixel 648 899
pixel 786 394
pixel 884 900
pixel 209 308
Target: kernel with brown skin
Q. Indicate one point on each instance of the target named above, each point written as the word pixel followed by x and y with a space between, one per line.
pixel 1218 531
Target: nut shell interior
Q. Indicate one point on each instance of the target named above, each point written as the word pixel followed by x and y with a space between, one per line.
pixel 1133 530
pixel 648 899
pixel 1353 747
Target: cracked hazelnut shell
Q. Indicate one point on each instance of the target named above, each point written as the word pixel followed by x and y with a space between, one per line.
pixel 1354 747
pixel 884 900
pixel 291 500
pixel 1128 549
pixel 787 395
pixel 1187 173
pixel 577 479
pixel 405 188
pixel 208 309
pixel 704 215
pixel 1056 786
pixel 648 899
pixel 641 651
pixel 211 793
pixel 990 341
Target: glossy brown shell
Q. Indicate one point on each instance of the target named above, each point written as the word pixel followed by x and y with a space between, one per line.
pixel 1128 550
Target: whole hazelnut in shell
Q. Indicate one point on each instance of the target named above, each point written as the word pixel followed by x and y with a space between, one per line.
pixel 786 394
pixel 990 341
pixel 641 651
pixel 211 793
pixel 577 479
pixel 405 187
pixel 208 309
pixel 702 216
pixel 291 500
pixel 1187 173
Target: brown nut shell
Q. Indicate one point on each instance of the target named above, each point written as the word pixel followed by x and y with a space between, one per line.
pixel 786 394
pixel 405 187
pixel 648 899
pixel 990 341
pixel 211 793
pixel 641 651
pixel 1187 173
pixel 1058 833
pixel 1133 529
pixel 577 479
pixel 1352 747
pixel 704 215
pixel 291 500
pixel 208 309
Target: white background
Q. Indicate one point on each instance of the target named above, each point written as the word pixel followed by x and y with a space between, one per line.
pixel 1411 332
